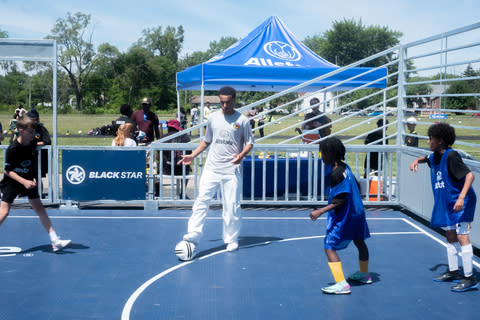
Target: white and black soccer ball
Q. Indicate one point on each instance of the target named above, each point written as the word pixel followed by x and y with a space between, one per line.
pixel 185 250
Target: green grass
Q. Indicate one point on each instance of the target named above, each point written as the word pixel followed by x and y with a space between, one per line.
pixel 79 122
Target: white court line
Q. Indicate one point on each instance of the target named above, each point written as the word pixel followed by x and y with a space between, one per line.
pixel 443 243
pixel 131 300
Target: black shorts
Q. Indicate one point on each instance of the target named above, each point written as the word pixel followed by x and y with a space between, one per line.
pixel 11 190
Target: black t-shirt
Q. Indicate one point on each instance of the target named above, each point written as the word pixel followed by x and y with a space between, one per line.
pixel 457 170
pixel 122 120
pixel 21 159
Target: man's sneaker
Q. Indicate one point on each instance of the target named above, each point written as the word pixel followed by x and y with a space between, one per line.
pixel 454 276
pixel 466 284
pixel 341 287
pixel 60 244
pixel 363 277
pixel 232 246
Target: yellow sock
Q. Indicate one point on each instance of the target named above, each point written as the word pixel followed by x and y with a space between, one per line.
pixel 363 265
pixel 337 271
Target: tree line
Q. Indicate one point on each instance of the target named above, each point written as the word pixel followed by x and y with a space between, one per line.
pixel 99 80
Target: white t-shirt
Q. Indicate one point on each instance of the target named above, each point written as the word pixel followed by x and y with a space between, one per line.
pixel 227 136
pixel 128 143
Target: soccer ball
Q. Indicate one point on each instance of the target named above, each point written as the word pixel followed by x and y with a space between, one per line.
pixel 185 250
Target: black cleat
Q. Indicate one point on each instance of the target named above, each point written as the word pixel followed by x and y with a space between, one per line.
pixel 467 283
pixel 448 276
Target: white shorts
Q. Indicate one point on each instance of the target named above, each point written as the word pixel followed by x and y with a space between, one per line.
pixel 461 228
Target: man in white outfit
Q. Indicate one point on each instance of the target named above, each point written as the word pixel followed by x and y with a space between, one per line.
pixel 230 139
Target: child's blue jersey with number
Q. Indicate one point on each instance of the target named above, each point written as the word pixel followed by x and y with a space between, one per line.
pixel 445 194
pixel 347 222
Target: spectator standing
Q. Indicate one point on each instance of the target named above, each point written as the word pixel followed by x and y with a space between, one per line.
pixel 206 111
pixel 147 121
pixel 42 137
pixel 318 116
pixel 183 119
pixel 193 116
pixel 261 121
pixel 375 137
pixel 411 141
pixel 252 112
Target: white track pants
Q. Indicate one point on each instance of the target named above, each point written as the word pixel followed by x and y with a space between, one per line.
pixel 229 186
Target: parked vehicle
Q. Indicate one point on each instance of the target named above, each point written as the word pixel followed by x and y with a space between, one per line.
pixel 375 113
pixel 351 111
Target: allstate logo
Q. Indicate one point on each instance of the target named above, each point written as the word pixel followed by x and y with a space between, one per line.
pixel 282 50
pixel 75 174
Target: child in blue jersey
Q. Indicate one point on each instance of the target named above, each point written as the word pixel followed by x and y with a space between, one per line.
pixel 454 202
pixel 346 218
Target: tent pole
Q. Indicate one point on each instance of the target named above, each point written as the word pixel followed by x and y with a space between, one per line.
pixel 202 106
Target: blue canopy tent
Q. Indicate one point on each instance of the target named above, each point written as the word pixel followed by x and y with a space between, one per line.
pixel 270 58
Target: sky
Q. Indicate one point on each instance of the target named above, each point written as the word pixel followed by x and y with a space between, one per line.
pixel 121 22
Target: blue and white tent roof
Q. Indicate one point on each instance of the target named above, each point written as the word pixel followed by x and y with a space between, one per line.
pixel 269 58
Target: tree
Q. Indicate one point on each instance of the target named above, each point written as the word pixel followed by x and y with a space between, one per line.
pixel 166 44
pixel 349 41
pixel 77 55
pixel 215 47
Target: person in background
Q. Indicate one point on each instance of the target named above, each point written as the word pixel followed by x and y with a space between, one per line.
pixel 183 119
pixel 315 104
pixel 454 203
pixel 173 126
pixel 42 137
pixel 261 121
pixel 19 112
pixel 126 114
pixel 252 112
pixel 411 141
pixel 1 133
pixel 193 116
pixel 206 111
pixel 125 136
pixel 147 122
pixel 375 137
pixel 19 179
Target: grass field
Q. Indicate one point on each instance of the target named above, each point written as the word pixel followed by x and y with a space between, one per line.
pixel 77 122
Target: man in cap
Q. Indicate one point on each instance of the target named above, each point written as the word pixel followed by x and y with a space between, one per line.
pixel 147 121
pixel 410 140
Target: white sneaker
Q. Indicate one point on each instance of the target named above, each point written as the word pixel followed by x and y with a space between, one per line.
pixel 60 244
pixel 341 287
pixel 232 246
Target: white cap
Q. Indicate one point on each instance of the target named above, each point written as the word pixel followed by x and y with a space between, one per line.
pixel 411 120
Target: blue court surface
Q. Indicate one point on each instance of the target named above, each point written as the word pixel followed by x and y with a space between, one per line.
pixel 122 265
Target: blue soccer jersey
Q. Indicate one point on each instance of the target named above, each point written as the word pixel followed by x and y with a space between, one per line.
pixel 347 222
pixel 445 194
